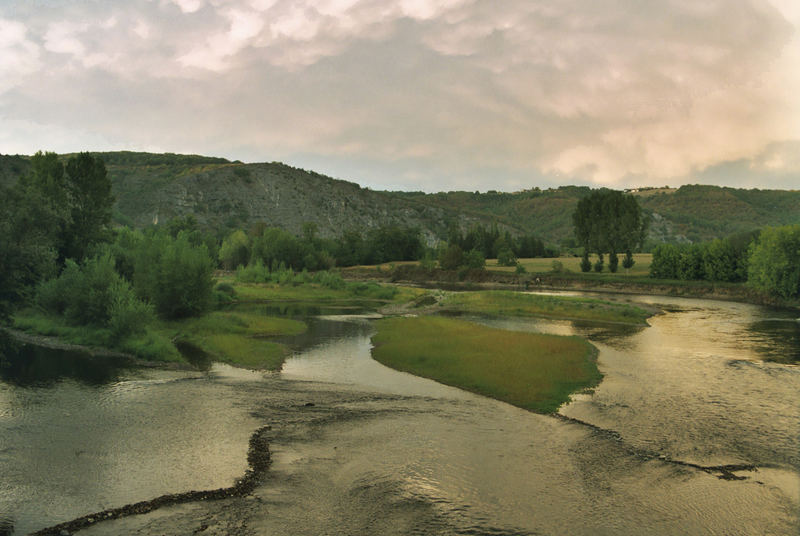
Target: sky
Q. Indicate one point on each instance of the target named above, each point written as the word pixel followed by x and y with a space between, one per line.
pixel 418 94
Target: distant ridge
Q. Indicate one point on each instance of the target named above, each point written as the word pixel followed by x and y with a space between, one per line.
pixel 153 188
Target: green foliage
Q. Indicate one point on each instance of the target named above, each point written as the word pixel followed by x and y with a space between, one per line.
pixel 666 259
pixel 691 265
pixel 720 260
pixel 775 261
pixel 598 265
pixel 174 275
pixel 451 257
pixel 474 260
pixel 90 202
pixel 557 266
pixel 586 264
pixel 94 294
pixel 506 257
pixel 613 262
pixel 628 261
pixel 609 221
pixel 235 250
pixel 27 249
pixel 520 269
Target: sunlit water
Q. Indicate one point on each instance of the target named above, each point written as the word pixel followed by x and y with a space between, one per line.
pixel 383 452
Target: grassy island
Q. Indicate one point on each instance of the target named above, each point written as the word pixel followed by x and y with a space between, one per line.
pixel 529 370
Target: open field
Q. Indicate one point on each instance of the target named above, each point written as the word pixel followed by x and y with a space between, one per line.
pixel 641 268
pixel 530 370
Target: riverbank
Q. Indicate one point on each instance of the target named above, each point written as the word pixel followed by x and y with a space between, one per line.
pixel 241 333
pixel 496 279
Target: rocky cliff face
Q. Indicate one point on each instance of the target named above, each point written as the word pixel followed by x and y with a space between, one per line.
pixel 239 195
pixel 153 188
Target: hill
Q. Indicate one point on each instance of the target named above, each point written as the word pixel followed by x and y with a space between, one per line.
pixel 152 188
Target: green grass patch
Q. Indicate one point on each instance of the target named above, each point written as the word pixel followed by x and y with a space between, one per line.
pixel 233 337
pixel 151 345
pixel 500 302
pixel 237 337
pixel 530 370
pixel 312 292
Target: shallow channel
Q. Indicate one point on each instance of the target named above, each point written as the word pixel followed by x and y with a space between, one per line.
pixel 362 449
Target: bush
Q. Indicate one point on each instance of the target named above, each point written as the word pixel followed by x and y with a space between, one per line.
pixel 586 264
pixel 253 273
pixel 557 266
pixel 175 276
pixel 474 260
pixel 598 265
pixel 128 315
pixel 520 269
pixel 666 258
pixel 95 294
pixel 613 262
pixel 775 261
pixel 505 257
pixel 451 258
pixel 628 261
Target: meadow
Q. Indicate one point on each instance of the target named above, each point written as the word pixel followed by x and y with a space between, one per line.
pixel 530 370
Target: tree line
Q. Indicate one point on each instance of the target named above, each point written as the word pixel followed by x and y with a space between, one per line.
pixel 611 222
pixel 768 259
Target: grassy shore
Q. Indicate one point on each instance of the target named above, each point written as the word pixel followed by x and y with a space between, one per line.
pixel 238 336
pixel 530 370
pixel 500 302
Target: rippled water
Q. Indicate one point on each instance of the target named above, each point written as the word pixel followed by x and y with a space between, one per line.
pixel 362 449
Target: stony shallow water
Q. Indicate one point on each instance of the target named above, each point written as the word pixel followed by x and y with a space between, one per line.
pixel 383 452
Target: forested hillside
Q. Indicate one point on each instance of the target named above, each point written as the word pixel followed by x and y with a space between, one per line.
pixel 154 188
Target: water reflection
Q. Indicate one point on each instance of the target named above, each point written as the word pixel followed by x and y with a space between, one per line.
pixel 31 365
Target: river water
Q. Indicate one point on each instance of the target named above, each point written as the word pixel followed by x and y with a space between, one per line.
pixel 361 449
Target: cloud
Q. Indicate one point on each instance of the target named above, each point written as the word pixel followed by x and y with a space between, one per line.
pixel 19 56
pixel 473 92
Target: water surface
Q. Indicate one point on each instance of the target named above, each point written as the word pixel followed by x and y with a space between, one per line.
pixel 361 449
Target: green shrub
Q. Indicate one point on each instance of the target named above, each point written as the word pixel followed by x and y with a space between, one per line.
pixel 505 257
pixel 586 264
pixel 613 262
pixel 253 273
pixel 95 294
pixel 175 276
pixel 775 261
pixel 474 260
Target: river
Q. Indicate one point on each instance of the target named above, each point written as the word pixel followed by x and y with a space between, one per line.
pixel 692 431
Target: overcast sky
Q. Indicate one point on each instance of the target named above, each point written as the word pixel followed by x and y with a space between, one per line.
pixel 416 94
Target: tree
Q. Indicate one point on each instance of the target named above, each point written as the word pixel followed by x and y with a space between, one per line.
pixel 90 201
pixel 775 261
pixel 666 258
pixel 174 275
pixel 235 250
pixel 27 247
pixel 609 221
